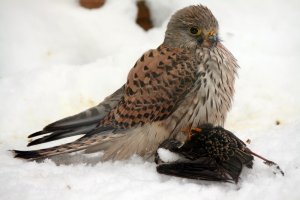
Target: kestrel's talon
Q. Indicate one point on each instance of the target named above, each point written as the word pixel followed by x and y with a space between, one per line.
pixel 198 130
pixel 193 131
pixel 189 131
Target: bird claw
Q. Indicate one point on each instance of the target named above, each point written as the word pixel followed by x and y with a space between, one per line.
pixel 275 166
pixel 268 162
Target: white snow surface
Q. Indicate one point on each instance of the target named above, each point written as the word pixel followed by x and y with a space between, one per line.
pixel 167 156
pixel 57 58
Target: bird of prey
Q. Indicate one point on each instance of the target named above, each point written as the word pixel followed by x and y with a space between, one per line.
pixel 188 80
pixel 212 154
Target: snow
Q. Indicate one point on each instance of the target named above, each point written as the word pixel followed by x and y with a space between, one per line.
pixel 58 59
pixel 167 156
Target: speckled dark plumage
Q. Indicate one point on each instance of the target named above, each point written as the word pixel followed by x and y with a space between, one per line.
pixel 211 153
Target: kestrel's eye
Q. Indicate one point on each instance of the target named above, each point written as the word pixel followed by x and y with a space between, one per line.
pixel 194 30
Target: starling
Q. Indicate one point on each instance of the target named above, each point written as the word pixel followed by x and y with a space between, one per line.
pixel 211 153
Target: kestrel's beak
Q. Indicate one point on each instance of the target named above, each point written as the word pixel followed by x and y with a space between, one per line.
pixel 211 39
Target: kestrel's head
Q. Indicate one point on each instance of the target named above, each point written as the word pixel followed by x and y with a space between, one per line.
pixel 192 27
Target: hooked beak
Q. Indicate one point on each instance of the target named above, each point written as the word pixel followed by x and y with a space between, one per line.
pixel 208 39
pixel 213 39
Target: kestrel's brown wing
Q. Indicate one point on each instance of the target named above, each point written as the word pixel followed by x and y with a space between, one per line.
pixel 156 85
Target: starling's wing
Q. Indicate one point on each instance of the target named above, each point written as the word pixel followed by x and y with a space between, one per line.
pixel 202 169
pixel 244 157
pixel 80 123
pixel 155 87
pixel 192 150
pixel 197 166
pixel 233 167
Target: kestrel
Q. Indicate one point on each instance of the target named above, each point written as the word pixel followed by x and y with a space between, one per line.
pixel 212 154
pixel 188 80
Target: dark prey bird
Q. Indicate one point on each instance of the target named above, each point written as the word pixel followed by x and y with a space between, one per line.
pixel 211 153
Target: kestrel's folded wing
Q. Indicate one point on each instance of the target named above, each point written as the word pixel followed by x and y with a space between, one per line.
pixel 156 85
pixel 80 123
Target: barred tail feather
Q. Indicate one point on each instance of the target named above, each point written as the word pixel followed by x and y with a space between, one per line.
pixel 91 139
pixel 48 152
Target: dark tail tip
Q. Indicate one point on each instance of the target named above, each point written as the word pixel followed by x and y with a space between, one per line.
pixel 28 155
pixel 37 134
pixel 37 141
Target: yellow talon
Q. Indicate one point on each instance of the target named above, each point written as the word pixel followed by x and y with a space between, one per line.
pixel 196 129
pixel 188 131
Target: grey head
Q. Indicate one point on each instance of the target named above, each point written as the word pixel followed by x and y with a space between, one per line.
pixel 192 27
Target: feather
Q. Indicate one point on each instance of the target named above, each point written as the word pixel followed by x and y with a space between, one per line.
pixel 78 124
pixel 211 153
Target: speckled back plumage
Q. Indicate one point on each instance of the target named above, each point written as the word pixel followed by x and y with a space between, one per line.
pixel 156 85
pixel 186 81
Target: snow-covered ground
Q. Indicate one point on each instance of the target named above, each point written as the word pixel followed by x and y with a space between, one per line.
pixel 57 59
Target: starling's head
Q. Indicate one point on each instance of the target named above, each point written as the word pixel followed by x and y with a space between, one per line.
pixel 192 27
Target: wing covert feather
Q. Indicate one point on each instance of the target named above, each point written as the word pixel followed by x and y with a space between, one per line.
pixel 156 84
